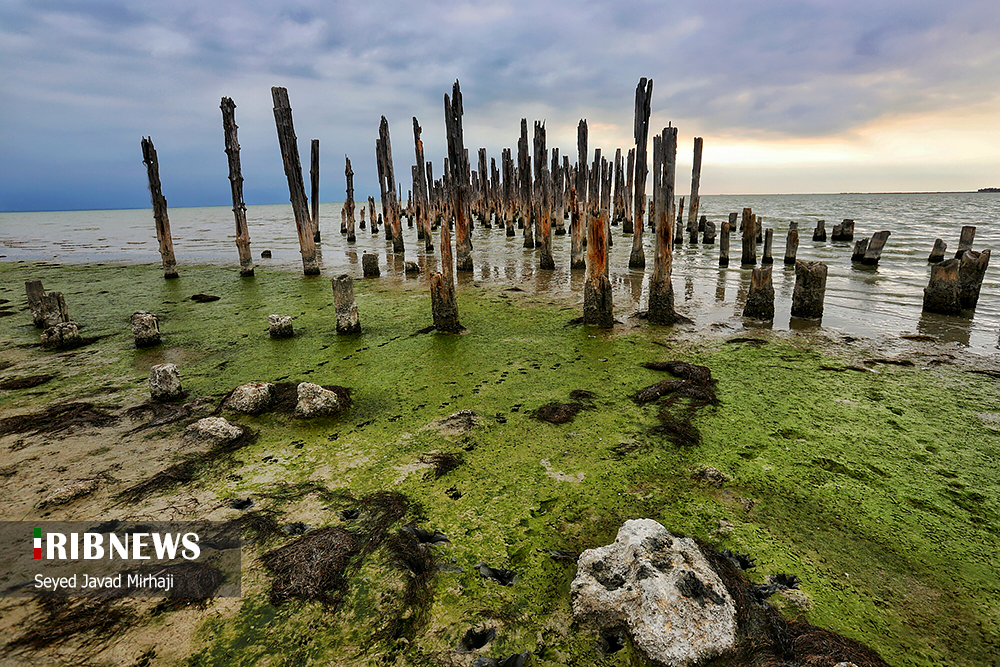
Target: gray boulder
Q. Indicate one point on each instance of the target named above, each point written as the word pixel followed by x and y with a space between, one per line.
pixel 279 326
pixel 314 401
pixel 164 382
pixel 145 329
pixel 214 430
pixel 251 398
pixel 61 336
pixel 661 590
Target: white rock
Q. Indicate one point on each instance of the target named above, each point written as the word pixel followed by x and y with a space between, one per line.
pixel 145 328
pixel 314 401
pixel 213 429
pixel 164 382
pixel 61 336
pixel 279 326
pixel 250 398
pixel 661 589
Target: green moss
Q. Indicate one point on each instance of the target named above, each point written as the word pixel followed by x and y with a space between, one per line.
pixel 878 489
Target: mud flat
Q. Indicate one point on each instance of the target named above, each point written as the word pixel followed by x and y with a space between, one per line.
pixel 871 472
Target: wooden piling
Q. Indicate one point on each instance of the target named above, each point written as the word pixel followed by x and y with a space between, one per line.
pixel 166 242
pixel 937 252
pixel 369 265
pixel 349 202
pixel 760 298
pixel 629 185
pixel 47 310
pixel 860 248
pixel 708 237
pixel 819 234
pixel 293 173
pixel 657 174
pixel 875 246
pixel 390 202
pixel 597 302
pixel 661 291
pixel 695 203
pixel 844 231
pixel 229 128
pixel 724 244
pixel 792 242
pixel 971 270
pixel 965 240
pixel 768 240
pixel 619 194
pixel 543 202
pixel 420 189
pixel 557 177
pixel 371 215
pixel 314 182
pixel 484 212
pixel 943 293
pixel 810 290
pixel 643 98
pixel 459 177
pixel 524 170
pixel 345 305
pixel 444 307
pixel 749 239
pixel 509 191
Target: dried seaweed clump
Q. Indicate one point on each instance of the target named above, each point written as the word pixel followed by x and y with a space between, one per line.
pixel 312 567
pixel 61 619
pixel 442 462
pixel 696 385
pixel 557 413
pixel 58 418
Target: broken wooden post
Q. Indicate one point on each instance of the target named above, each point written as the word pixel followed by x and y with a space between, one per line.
pixel 606 202
pixel 558 177
pixel 768 240
pixel 361 222
pixel 576 260
pixel 860 248
pixel 509 191
pixel 159 209
pixel 678 228
pixel 293 173
pixel 484 181
pixel 229 128
pixel 937 252
pixel 629 188
pixel 543 211
pixel 965 240
pixel 619 194
pixel 657 174
pixel 695 203
pixel 345 305
pixel 643 98
pixel 844 231
pixel 349 203
pixel 524 172
pixel 749 239
pixel 971 271
pixel 724 244
pixel 792 242
pixel 390 201
pixel 874 251
pixel 760 299
pixel 369 265
pixel 371 215
pixel 314 182
pixel 459 160
pixel 597 303
pixel 943 294
pixel 661 291
pixel 819 234
pixel 421 190
pixel 709 236
pixel 810 290
pixel 47 310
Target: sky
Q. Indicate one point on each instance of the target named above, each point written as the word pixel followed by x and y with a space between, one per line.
pixel 790 97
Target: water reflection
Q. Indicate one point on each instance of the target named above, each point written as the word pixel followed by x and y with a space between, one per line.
pixel 945 328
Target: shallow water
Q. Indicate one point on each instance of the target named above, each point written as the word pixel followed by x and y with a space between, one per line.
pixel 879 302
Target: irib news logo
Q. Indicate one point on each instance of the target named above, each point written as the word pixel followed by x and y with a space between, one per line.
pixel 130 546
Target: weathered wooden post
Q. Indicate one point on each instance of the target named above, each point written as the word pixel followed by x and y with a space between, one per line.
pixel 709 235
pixel 542 207
pixel 558 176
pixel 349 202
pixel 369 265
pixel 582 174
pixel 819 234
pixel 792 242
pixel 345 305
pixel 844 231
pixel 943 294
pixel 768 240
pixel 371 215
pixel 965 240
pixel 444 307
pixel 643 99
pixel 619 195
pixel 971 270
pixel 524 173
pixel 678 227
pixel 661 291
pixel 229 128
pixel 459 177
pixel 629 189
pixel 314 182
pixel 695 202
pixel 724 244
pixel 657 174
pixel 874 251
pixel 390 201
pixel 937 252
pixel 760 299
pixel 597 303
pixel 159 209
pixel 420 189
pixel 293 173
pixel 509 191
pixel 749 239
pixel 810 290
pixel 484 212
pixel 47 310
pixel 860 248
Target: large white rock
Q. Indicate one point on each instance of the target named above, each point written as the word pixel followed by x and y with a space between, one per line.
pixel 145 328
pixel 164 382
pixel 213 430
pixel 659 588
pixel 250 398
pixel 314 401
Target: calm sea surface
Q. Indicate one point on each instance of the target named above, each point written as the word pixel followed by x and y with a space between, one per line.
pixel 879 302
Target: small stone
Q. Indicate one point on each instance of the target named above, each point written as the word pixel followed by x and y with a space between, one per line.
pixel 251 398
pixel 164 382
pixel 279 326
pixel 61 336
pixel 314 401
pixel 213 429
pixel 145 329
pixel 69 493
pixel 411 267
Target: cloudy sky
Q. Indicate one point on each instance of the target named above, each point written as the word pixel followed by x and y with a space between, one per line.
pixel 789 96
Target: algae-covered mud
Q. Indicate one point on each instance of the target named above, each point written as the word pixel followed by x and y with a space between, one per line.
pixel 873 476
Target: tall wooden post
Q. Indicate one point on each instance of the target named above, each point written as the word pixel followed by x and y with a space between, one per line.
pixel 229 128
pixel 293 173
pixel 390 202
pixel 724 244
pixel 314 182
pixel 597 302
pixel 643 98
pixel 524 170
pixel 695 203
pixel 768 241
pixel 792 242
pixel 661 291
pixel 810 290
pixel 349 202
pixel 965 240
pixel 582 184
pixel 748 224
pixel 629 184
pixel 420 193
pixel 558 176
pixel 543 211
pixel 459 164
pixel 509 190
pixel 159 209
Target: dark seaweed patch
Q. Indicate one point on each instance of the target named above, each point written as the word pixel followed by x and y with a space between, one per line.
pixel 25 382
pixel 58 418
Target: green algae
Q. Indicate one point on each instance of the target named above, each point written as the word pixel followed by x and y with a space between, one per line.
pixel 879 490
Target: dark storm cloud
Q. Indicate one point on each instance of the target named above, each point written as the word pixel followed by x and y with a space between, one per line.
pixel 82 81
